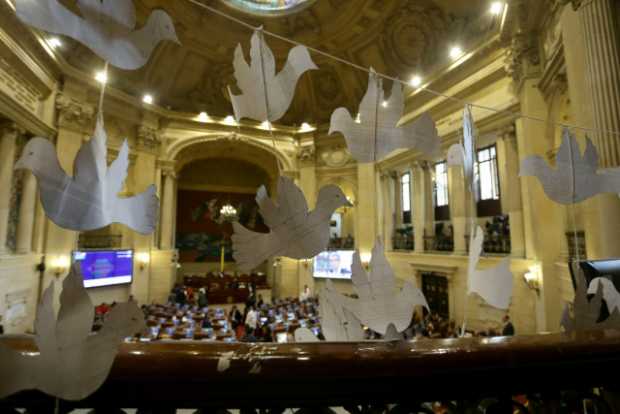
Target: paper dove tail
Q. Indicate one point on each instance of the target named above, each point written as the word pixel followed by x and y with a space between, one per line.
pixel 250 249
pixel 340 120
pixel 140 213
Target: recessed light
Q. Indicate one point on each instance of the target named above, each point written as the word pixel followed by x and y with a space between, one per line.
pixel 203 117
pixel 496 7
pixel 384 104
pixel 416 81
pixel 54 42
pixel 147 99
pixel 358 118
pixel 265 125
pixel 306 127
pixel 456 52
pixel 101 77
pixel 229 120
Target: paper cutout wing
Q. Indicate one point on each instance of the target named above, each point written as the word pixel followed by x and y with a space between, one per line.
pixel 377 133
pixel 305 335
pixel 464 154
pixel 337 323
pixel 587 312
pixel 89 200
pixel 494 285
pixel 261 88
pixel 106 28
pixel 610 294
pixel 72 362
pixel 379 303
pixel 575 177
pixel 295 232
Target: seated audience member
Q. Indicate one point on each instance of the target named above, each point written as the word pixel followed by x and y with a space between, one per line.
pixel 202 298
pixel 509 329
pixel 260 302
pixel 249 336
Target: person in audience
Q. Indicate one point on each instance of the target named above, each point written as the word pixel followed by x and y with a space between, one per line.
pixel 249 336
pixel 509 329
pixel 305 294
pixel 202 298
pixel 251 319
pixel 260 302
pixel 179 296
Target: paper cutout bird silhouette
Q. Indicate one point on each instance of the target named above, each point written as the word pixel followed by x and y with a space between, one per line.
pixel 295 232
pixel 261 88
pixel 72 362
pixel 494 284
pixel 107 27
pixel 463 154
pixel 89 200
pixel 376 134
pixel 571 182
pixel 379 303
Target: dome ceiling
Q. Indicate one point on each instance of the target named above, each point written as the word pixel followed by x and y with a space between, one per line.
pixel 398 37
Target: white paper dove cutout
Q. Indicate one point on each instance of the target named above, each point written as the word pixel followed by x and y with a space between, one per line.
pixel 587 312
pixel 565 185
pixel 463 154
pixel 295 232
pixel 379 303
pixel 263 90
pixel 72 362
pixel 494 285
pixel 107 27
pixel 89 200
pixel 377 133
pixel 337 323
pixel 610 294
pixel 305 335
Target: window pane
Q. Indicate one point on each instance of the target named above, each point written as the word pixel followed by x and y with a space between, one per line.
pixel 405 192
pixel 441 184
pixel 487 173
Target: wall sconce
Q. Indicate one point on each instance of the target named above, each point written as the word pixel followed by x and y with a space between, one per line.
pixel 143 259
pixel 60 264
pixel 365 257
pixel 306 262
pixel 532 278
pixel 276 262
pixel 346 208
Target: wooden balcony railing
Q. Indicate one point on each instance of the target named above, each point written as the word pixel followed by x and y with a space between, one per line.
pixel 545 371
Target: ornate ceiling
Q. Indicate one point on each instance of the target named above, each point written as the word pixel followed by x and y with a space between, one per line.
pixel 399 37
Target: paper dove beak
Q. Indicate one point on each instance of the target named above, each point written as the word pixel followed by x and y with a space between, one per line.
pixel 19 165
pixel 348 204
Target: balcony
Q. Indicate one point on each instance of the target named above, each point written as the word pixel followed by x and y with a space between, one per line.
pixel 442 240
pixel 403 239
pixel 549 373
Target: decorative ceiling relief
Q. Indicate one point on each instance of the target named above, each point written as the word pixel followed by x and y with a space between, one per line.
pixel 335 157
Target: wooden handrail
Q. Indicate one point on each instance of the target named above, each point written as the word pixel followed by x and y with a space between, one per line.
pixel 184 374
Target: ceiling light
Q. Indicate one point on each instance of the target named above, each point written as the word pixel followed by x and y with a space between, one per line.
pixel 229 120
pixel 203 117
pixel 497 7
pixel 147 99
pixel 416 81
pixel 456 52
pixel 101 77
pixel 306 127
pixel 54 42
pixel 265 125
pixel 384 104
pixel 358 118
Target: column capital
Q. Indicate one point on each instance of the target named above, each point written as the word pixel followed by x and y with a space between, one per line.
pixel 167 168
pixel 306 153
pixel 148 139
pixel 10 129
pixel 73 113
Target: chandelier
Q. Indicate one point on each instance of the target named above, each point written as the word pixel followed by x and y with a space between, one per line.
pixel 228 213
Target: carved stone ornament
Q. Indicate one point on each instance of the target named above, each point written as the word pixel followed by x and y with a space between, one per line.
pixel 148 139
pixel 335 157
pixel 306 153
pixel 73 112
pixel 523 55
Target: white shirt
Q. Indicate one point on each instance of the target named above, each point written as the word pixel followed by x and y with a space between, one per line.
pixel 250 319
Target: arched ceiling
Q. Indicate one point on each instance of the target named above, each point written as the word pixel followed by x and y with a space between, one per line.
pixel 399 37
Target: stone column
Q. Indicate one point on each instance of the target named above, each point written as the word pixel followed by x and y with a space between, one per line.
pixel 602 72
pixel 366 209
pixel 508 165
pixel 308 184
pixel 387 192
pixel 9 132
pixel 167 210
pixel 398 205
pixel 458 200
pixel 38 236
pixel 26 213
pixel 422 204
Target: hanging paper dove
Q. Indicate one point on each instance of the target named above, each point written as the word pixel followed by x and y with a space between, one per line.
pixel 610 294
pixel 379 305
pixel 262 90
pixel 305 335
pixel 89 200
pixel 463 154
pixel 376 134
pixel 337 323
pixel 72 362
pixel 107 27
pixel 587 312
pixel 494 285
pixel 571 182
pixel 295 232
